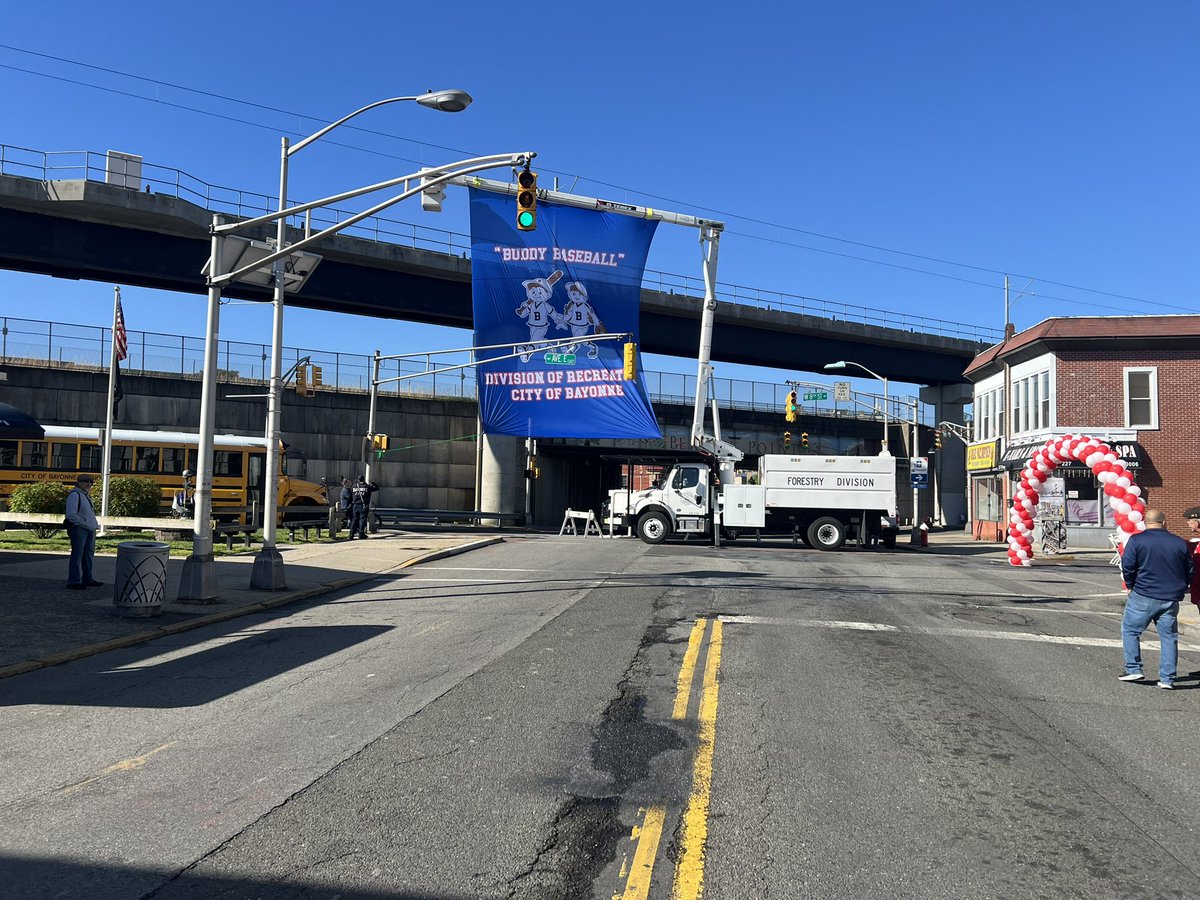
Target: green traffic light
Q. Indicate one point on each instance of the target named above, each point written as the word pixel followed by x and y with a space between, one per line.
pixel 525 219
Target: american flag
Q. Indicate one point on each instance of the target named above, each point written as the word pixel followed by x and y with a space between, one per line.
pixel 120 339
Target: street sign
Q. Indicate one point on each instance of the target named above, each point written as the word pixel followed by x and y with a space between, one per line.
pixel 919 469
pixel 841 391
pixel 817 395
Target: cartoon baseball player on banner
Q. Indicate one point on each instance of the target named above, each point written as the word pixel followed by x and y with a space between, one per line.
pixel 580 318
pixel 537 311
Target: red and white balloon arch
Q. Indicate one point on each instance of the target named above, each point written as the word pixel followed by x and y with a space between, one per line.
pixel 1124 496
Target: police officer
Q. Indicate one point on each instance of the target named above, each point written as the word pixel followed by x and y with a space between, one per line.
pixel 360 506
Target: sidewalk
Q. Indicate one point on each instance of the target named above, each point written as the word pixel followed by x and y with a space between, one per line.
pixel 960 543
pixel 45 624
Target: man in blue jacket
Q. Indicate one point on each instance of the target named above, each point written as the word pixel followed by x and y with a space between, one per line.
pixel 1157 567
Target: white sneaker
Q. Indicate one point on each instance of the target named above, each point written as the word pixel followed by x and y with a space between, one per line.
pixel 1131 676
pixel 1166 685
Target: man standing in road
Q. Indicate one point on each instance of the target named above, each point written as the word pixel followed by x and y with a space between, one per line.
pixel 1157 567
pixel 81 529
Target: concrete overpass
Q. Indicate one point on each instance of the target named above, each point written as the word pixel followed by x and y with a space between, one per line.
pixel 86 229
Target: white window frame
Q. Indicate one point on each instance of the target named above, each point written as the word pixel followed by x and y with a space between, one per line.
pixel 1153 372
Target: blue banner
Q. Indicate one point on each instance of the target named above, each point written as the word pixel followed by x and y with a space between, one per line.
pixel 576 277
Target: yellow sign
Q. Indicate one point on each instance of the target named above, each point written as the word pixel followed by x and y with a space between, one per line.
pixel 983 456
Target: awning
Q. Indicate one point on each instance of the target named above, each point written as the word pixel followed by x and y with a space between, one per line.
pixel 1016 455
pixel 16 425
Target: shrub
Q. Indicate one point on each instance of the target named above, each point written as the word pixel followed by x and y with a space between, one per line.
pixel 41 497
pixel 131 495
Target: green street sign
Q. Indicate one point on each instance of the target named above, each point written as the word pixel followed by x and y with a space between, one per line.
pixel 560 359
pixel 817 395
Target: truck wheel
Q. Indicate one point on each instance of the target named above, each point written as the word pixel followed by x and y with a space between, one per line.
pixel 653 528
pixel 827 533
pixel 730 534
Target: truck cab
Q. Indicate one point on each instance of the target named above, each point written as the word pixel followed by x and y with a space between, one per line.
pixel 677 504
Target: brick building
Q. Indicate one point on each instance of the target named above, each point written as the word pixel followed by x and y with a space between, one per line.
pixel 1128 380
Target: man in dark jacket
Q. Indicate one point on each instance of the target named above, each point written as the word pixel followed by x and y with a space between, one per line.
pixel 1157 567
pixel 360 506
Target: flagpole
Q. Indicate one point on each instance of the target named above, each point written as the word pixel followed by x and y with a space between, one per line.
pixel 109 415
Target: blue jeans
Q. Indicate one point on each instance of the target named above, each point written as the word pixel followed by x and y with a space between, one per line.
pixel 1139 613
pixel 83 548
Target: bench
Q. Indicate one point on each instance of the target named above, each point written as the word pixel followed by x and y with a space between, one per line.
pixel 304 526
pixel 228 530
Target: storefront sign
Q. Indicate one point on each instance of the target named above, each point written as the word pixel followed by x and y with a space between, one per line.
pixel 1016 455
pixel 981 457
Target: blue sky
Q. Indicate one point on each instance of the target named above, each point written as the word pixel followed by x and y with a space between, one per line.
pixel 1052 141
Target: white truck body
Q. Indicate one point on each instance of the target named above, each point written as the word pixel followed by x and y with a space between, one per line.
pixel 824 499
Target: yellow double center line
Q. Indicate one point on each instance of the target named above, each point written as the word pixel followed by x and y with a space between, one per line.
pixel 689 866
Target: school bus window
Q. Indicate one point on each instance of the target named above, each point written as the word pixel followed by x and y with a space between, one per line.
pixel 191 461
pixel 62 456
pixel 172 460
pixel 89 458
pixel 147 459
pixel 33 454
pixel 8 453
pixel 228 463
pixel 122 459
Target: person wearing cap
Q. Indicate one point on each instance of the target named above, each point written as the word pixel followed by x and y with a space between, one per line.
pixel 81 529
pixel 1157 568
pixel 1192 514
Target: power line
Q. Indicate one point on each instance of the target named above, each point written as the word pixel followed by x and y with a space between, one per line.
pixel 657 197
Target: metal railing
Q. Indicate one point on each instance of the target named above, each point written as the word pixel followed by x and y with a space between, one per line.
pixel 90 165
pixel 87 347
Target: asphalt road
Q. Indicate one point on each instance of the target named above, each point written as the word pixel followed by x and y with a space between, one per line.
pixel 565 718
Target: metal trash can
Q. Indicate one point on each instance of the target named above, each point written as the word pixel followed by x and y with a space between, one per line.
pixel 141 580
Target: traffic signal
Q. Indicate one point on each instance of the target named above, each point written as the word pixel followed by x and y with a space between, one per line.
pixel 804 440
pixel 790 409
pixel 787 440
pixel 316 377
pixel 937 439
pixel 527 201
pixel 631 361
pixel 302 380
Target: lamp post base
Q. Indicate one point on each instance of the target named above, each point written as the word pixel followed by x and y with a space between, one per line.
pixel 267 572
pixel 199 581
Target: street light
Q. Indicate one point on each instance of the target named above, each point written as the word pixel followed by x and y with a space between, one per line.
pixel 267 571
pixel 841 364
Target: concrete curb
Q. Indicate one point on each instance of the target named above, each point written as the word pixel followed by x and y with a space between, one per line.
pixel 141 637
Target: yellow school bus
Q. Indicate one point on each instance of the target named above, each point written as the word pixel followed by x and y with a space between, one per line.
pixel 239 464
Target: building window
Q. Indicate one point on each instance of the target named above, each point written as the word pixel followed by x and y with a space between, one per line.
pixel 1141 398
pixel 1046 423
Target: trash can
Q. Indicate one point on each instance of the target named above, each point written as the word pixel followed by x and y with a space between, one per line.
pixel 141 580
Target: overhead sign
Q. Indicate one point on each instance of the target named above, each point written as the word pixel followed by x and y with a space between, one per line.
pixel 577 276
pixel 919 470
pixel 841 391
pixel 817 395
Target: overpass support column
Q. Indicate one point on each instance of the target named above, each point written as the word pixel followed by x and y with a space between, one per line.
pixel 950 464
pixel 502 485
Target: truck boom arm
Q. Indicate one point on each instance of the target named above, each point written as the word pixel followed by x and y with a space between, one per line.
pixel 726 454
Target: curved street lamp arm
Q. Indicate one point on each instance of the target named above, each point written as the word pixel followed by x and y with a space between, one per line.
pixel 297 147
